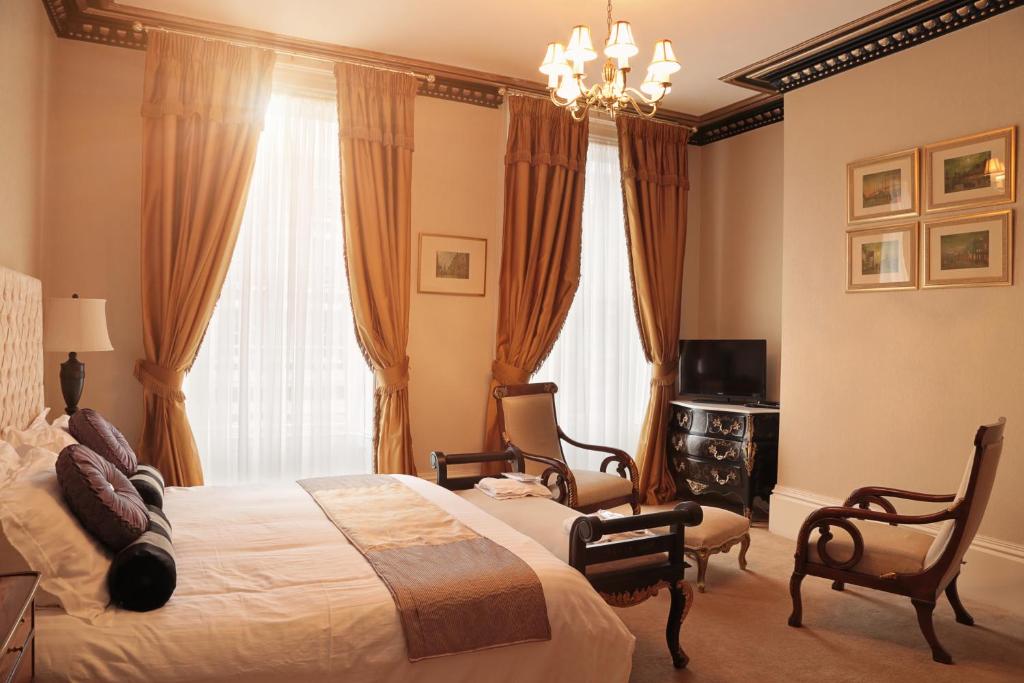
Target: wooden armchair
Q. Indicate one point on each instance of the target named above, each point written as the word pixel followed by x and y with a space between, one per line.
pixel 527 420
pixel 896 559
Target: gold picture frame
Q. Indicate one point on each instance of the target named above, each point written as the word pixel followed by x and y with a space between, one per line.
pixel 452 264
pixel 882 258
pixel 884 187
pixel 968 251
pixel 971 171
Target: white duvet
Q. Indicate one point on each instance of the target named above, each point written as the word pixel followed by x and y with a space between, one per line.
pixel 270 590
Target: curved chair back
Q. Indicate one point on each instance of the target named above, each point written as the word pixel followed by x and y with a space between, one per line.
pixel 526 418
pixel 956 535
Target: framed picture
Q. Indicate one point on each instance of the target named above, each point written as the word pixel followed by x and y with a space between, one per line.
pixel 969 251
pixel 881 258
pixel 979 170
pixel 452 265
pixel 883 187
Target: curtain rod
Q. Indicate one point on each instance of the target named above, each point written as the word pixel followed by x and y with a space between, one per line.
pixel 429 78
pixel 507 90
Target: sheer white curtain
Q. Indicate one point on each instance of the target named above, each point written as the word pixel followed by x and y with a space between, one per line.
pixel 280 389
pixel 597 362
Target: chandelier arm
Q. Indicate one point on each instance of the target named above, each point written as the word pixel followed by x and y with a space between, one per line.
pixel 633 93
pixel 645 114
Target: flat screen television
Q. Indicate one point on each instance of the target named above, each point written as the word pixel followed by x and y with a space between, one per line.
pixel 723 369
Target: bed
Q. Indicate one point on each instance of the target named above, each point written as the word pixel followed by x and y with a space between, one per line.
pixel 269 589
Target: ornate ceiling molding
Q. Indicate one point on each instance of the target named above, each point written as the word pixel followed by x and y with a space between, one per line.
pixel 896 27
pixel 893 28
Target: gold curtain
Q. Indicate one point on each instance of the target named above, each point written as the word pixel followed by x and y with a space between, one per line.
pixel 545 163
pixel 652 156
pixel 203 107
pixel 375 114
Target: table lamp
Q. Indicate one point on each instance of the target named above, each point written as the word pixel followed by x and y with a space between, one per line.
pixel 74 325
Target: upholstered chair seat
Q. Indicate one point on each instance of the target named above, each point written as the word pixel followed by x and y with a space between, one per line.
pixel 596 487
pixel 887 549
pixel 527 419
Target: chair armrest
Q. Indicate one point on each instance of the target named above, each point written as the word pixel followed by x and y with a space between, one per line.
pixel 825 518
pixel 625 462
pixel 440 461
pixel 866 495
pixel 564 479
pixel 591 528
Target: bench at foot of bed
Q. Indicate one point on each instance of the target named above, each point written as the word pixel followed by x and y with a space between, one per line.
pixel 625 568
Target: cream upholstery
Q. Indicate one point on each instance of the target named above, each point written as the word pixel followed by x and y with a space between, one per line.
pixel 531 426
pixel 717 527
pixel 595 487
pixel 946 528
pixel 887 548
pixel 544 521
pixel 979 502
pixel 21 349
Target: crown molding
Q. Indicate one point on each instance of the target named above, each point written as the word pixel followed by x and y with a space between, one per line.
pixel 891 29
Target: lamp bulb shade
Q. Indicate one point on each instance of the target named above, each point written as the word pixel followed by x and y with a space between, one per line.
pixel 653 86
pixel 620 43
pixel 581 46
pixel 569 89
pixel 554 61
pixel 75 324
pixel 664 62
pixel 994 166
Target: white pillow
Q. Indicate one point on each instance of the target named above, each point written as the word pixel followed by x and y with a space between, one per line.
pixel 42 530
pixel 52 437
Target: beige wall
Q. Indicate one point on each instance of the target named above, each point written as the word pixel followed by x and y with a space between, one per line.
pixel 740 247
pixel 26 41
pixel 458 171
pixel 888 387
pixel 91 240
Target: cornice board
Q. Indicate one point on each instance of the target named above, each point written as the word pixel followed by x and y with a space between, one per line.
pixel 892 29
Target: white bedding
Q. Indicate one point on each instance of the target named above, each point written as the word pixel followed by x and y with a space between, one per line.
pixel 270 590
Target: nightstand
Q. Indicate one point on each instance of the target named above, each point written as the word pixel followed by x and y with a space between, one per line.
pixel 18 626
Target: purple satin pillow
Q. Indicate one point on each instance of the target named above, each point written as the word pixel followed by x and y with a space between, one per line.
pixel 95 431
pixel 101 497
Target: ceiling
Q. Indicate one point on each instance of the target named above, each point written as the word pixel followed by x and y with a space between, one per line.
pixel 711 37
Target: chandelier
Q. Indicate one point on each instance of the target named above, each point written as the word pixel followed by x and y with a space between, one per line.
pixel 565 68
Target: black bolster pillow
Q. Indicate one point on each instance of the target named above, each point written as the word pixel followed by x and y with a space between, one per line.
pixel 143 575
pixel 148 481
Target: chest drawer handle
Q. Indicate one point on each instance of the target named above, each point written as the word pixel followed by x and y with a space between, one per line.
pixel 729 454
pixel 722 481
pixel 19 648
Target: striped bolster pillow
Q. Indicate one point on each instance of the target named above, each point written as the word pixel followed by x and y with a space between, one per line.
pixel 148 481
pixel 142 577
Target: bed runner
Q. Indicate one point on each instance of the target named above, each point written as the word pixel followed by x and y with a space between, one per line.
pixel 455 590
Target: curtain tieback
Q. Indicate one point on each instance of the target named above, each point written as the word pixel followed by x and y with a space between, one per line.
pixel 509 374
pixel 664 374
pixel 393 377
pixel 161 381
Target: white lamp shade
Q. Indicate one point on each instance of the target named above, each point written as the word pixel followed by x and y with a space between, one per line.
pixel 75 324
pixel 653 87
pixel 664 63
pixel 569 89
pixel 581 47
pixel 554 61
pixel 620 43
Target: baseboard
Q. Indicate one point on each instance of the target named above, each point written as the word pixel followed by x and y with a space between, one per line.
pixel 994 572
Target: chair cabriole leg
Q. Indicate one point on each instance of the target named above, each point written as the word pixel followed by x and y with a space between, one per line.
pixel 675 622
pixel 924 620
pixel 744 546
pixel 962 615
pixel 796 618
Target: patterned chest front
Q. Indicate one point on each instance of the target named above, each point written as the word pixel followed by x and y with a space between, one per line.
pixel 723 452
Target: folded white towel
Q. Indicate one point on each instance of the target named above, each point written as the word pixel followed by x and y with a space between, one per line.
pixel 608 514
pixel 504 489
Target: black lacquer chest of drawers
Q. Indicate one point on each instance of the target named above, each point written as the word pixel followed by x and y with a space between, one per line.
pixel 723 452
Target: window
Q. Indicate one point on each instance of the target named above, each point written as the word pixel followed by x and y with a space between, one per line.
pixel 280 389
pixel 598 363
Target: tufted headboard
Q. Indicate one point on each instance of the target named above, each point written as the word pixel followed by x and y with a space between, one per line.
pixel 21 349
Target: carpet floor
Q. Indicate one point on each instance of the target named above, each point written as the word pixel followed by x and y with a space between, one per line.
pixel 737 630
